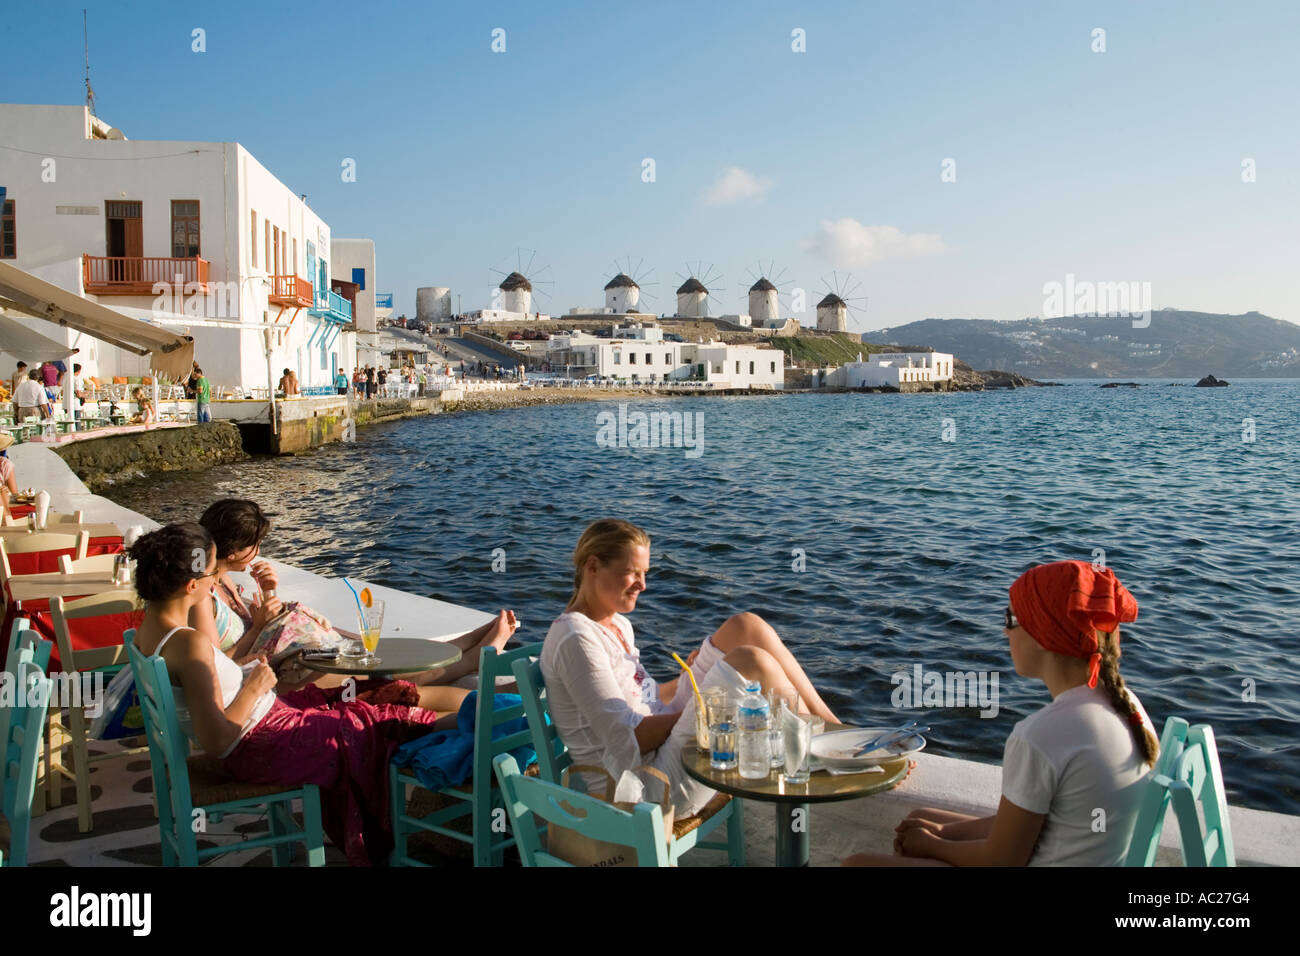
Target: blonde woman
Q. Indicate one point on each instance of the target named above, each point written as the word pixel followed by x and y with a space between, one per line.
pixel 607 708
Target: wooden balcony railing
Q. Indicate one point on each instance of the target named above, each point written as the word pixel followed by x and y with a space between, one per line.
pixel 136 275
pixel 292 291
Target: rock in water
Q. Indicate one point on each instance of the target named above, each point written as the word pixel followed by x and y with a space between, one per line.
pixel 1211 382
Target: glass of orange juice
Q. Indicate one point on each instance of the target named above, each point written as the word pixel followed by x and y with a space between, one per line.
pixel 372 623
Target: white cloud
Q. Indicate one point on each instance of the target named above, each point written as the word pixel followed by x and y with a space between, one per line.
pixel 734 185
pixel 846 243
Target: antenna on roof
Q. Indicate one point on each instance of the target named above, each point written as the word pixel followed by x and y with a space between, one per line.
pixel 85 36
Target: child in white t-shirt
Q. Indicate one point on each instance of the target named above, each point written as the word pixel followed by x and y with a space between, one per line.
pixel 1073 772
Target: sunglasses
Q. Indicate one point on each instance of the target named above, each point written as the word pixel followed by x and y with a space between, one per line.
pixel 1009 621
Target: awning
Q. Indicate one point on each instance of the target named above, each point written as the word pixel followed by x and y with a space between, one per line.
pixel 172 354
pixel 21 342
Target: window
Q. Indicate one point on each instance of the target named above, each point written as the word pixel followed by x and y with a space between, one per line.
pixel 618 358
pixel 359 277
pixel 649 359
pixel 295 256
pixel 9 231
pixel 252 238
pixel 668 358
pixel 773 368
pixel 185 228
pixel 267 247
pixel 277 254
pixel 631 358
pixel 737 368
pixel 751 368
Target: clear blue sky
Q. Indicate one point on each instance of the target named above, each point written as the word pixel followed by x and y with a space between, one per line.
pixel 1122 165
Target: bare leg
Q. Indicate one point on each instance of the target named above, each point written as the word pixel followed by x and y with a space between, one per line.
pixel 495 633
pixel 750 629
pixel 442 699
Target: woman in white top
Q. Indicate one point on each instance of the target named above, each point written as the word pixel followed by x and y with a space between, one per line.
pixel 311 736
pixel 1072 773
pixel 608 710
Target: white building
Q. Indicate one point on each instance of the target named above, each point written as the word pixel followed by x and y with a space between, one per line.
pixel 516 294
pixel 692 299
pixel 622 294
pixel 832 314
pixel 764 306
pixel 193 235
pixel 353 262
pixel 892 369
pixel 433 303
pixel 640 354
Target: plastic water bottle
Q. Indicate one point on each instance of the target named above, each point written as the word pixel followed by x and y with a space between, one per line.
pixel 755 752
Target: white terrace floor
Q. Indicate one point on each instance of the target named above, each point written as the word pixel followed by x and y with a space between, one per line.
pixel 125 830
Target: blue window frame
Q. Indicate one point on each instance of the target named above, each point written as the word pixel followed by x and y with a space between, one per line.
pixel 359 277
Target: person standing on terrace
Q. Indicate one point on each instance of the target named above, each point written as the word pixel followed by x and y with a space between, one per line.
pixel 1091 748
pixel 607 708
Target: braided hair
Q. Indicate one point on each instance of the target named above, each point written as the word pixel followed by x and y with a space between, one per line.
pixel 1121 700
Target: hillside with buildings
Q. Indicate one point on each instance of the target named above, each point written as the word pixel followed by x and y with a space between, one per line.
pixel 1173 344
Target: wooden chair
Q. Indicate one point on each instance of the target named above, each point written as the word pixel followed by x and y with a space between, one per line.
pixel 183 785
pixel 52 520
pixel 19 748
pixel 94 564
pixel 75 733
pixel 478 797
pixel 553 757
pixel 31 547
pixel 527 800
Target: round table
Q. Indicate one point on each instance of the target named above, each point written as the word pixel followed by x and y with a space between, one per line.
pixel 792 799
pixel 396 656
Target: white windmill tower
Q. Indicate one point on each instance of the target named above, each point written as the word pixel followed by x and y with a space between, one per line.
pixel 514 293
pixel 694 293
pixel 764 295
pixel 624 291
pixel 839 303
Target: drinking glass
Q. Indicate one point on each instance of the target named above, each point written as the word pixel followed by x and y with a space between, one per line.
pixel 723 710
pixel 372 619
pixel 797 734
pixel 776 700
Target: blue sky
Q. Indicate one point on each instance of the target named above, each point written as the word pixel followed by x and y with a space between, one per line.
pixel 1123 165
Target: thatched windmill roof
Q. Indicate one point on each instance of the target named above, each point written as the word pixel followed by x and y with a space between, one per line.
pixel 621 281
pixel 692 285
pixel 515 283
pixel 762 285
pixel 831 300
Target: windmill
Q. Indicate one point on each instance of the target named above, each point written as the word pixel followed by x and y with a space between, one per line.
pixel 840 299
pixel 624 291
pixel 764 295
pixel 514 291
pixel 697 288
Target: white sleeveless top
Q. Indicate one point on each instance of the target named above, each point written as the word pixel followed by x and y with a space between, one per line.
pixel 230 677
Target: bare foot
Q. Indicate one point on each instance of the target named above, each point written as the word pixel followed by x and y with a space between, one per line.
pixel 501 630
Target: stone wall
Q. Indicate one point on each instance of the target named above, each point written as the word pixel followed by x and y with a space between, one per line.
pixel 100 462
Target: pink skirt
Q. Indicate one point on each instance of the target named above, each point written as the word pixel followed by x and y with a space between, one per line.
pixel 314 736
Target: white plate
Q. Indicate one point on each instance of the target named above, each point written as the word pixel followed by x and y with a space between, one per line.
pixel 838 747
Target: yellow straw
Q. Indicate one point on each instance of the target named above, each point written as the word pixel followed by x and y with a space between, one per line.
pixel 699 701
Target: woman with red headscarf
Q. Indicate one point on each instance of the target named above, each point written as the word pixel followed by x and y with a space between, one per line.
pixel 1073 772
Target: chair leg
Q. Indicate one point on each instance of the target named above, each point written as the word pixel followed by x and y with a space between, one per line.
pixel 397 799
pixel 81 767
pixel 280 819
pixel 314 834
pixel 55 742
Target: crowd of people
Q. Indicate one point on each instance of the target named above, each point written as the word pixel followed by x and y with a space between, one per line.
pixel 34 392
pixel 1090 747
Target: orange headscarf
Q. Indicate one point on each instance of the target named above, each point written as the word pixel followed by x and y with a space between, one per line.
pixel 1064 604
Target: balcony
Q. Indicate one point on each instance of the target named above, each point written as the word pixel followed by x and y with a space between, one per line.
pixel 137 275
pixel 291 292
pixel 332 307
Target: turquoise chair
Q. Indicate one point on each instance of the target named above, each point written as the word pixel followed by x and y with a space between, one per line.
pixel 20 746
pixel 528 799
pixel 478 797
pixel 553 757
pixel 183 786
pixel 1187 771
pixel 22 635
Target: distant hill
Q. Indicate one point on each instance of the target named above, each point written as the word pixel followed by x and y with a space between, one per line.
pixel 1176 344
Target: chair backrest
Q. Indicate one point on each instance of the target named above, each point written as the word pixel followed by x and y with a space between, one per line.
pixel 94 564
pixel 52 520
pixel 167 747
pixel 527 800
pixel 486 717
pixel 1197 780
pixel 552 755
pixel 43 548
pixel 21 637
pixel 96 605
pixel 19 749
pixel 1155 798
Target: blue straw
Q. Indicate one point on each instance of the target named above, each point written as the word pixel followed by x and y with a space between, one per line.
pixel 361 615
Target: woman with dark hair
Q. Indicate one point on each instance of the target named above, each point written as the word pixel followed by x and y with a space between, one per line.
pixel 1087 750
pixel 238 527
pixel 311 736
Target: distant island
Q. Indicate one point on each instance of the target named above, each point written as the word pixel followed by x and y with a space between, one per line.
pixel 1176 344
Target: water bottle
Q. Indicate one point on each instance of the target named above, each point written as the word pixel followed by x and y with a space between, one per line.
pixel 755 751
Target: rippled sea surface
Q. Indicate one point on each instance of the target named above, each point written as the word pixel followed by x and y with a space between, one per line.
pixel 908 542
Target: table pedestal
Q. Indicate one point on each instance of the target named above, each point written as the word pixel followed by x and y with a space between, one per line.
pixel 792 834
